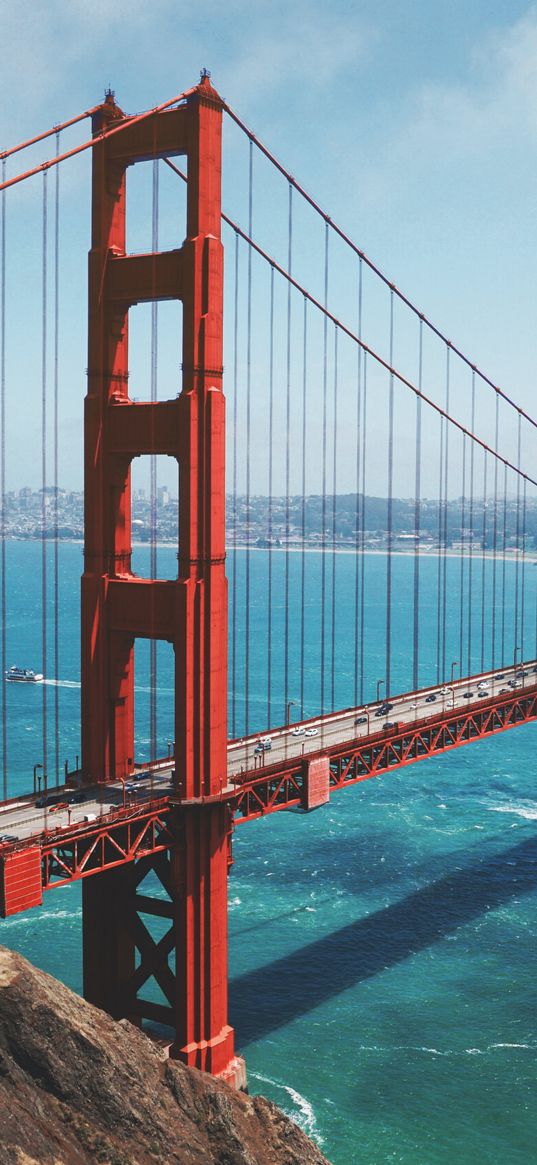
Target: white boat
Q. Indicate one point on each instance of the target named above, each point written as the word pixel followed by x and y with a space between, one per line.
pixel 23 675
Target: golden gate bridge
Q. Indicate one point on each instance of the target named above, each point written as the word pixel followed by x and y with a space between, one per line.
pixel 337 384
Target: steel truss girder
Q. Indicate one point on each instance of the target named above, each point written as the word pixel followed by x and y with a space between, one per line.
pixel 349 764
pixel 72 854
pixel 108 844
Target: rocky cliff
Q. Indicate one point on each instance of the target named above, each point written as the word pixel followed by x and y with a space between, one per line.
pixel 76 1087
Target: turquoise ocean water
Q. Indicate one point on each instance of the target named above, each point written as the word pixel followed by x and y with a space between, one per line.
pixel 382 949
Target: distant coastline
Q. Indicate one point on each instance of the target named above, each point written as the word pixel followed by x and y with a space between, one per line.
pixel 512 555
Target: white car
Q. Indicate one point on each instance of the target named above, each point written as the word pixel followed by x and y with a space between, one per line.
pixel 298 731
pixel 444 691
pixel 311 732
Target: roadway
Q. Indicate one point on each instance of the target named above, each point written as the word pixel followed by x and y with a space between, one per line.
pixel 24 818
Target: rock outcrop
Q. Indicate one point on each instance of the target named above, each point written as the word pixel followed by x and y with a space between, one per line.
pixel 77 1087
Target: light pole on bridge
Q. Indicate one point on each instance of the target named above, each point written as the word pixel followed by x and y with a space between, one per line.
pixel 37 779
pixel 290 704
pixel 454 664
pixel 380 683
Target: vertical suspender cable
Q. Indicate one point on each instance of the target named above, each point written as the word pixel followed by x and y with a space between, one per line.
pixel 358 560
pixel 362 530
pixel 417 525
pixel 334 522
pixel 523 572
pixel 287 455
pixel 439 554
pixel 462 559
pixel 303 530
pixel 248 450
pixel 483 560
pixel 234 499
pixel 323 503
pixel 517 555
pixel 389 532
pixel 56 478
pixel 445 524
pixel 495 535
pixel 471 531
pixel 153 475
pixel 44 479
pixel 270 498
pixel 3 479
pixel 504 545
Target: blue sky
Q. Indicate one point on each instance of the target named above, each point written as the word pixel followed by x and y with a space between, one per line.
pixel 414 124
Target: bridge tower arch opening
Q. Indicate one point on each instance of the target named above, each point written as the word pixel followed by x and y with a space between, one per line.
pixel 190 611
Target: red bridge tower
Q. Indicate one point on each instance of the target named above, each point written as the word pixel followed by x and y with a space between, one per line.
pixel 189 963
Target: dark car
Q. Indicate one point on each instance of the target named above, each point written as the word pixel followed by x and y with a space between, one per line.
pixel 467 695
pixel 482 693
pixel 76 798
pixel 7 837
pixel 360 720
pixel 500 676
pixel 379 712
pixel 389 724
pixel 503 690
pixel 386 707
pixel 430 699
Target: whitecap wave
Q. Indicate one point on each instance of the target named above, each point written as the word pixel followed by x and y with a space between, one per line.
pixel 42 916
pixel 528 812
pixel 302 1114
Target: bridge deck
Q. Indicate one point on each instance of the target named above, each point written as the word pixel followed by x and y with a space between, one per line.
pixel 70 838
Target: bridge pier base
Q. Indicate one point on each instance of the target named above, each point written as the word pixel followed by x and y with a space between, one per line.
pixel 167 939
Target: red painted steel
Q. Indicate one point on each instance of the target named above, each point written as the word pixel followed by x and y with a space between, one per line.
pixel 316 782
pixel 190 612
pixel 20 880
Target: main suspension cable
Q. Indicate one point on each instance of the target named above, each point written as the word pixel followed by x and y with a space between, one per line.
pixel 40 137
pixel 372 266
pixel 382 363
pixel 127 122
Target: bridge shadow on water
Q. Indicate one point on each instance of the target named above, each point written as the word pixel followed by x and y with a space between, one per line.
pixel 272 995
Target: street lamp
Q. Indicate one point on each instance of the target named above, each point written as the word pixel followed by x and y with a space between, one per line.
pixel 380 683
pixel 453 665
pixel 37 779
pixel 290 703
